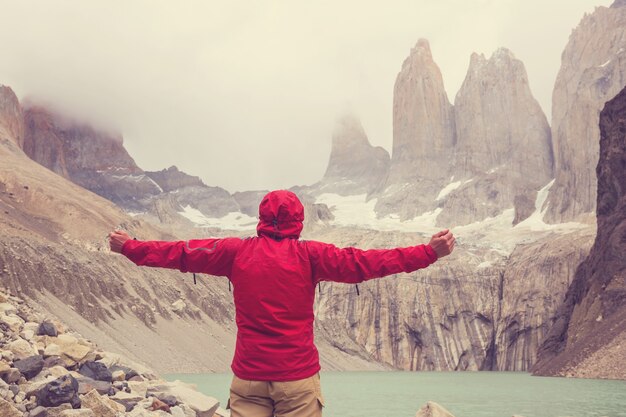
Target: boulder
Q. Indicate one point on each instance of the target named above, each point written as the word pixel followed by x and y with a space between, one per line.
pixel 118 376
pixel 56 411
pixel 7 410
pixel 128 372
pixel 95 370
pixel 8 355
pixel 159 405
pixel 11 376
pixel 14 322
pixel 30 367
pixel 27 334
pixel 52 350
pixel 48 329
pixel 53 361
pixel 21 349
pixel 432 409
pixel 203 405
pixel 73 354
pixel 86 385
pixel 61 390
pixel 38 411
pixel 128 400
pixel 183 410
pixel 57 371
pixel 178 306
pixel 101 406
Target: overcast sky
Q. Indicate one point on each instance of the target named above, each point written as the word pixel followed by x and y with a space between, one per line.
pixel 245 94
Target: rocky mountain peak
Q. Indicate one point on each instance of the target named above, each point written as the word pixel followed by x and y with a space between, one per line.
pixel 503 150
pixel 618 3
pixel 593 70
pixel 423 134
pixel 92 158
pixel 11 122
pixel 172 178
pixel 355 166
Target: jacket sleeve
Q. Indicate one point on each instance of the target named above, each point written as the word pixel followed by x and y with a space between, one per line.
pixel 210 256
pixel 352 265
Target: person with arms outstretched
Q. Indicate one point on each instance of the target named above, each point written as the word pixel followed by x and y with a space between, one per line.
pixel 276 364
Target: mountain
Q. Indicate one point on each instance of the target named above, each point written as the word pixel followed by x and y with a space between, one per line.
pixel 54 253
pixel 93 159
pixel 593 70
pixel 423 136
pixel 488 153
pixel 355 166
pixel 588 338
pixel 503 151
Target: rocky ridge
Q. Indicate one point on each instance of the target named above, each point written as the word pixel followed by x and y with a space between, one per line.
pixel 54 254
pixel 355 166
pixel 47 370
pixel 423 134
pixel 489 152
pixel 590 328
pixel 97 160
pixel 593 70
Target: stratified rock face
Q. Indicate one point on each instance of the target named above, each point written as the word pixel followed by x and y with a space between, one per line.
pixel 503 151
pixel 92 159
pixel 355 166
pixel 423 136
pixel 592 319
pixel 459 314
pixel 11 121
pixel 593 70
pixel 172 178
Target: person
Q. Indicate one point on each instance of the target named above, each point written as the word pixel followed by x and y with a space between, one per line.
pixel 274 275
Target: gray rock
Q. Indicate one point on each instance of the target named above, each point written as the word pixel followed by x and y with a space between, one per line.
pixel 432 409
pixel 31 366
pixel 95 370
pixel 47 328
pixel 86 385
pixel 61 390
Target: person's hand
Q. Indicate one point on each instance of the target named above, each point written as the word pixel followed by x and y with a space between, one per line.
pixel 442 243
pixel 117 238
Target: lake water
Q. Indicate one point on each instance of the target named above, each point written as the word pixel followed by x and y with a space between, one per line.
pixel 464 394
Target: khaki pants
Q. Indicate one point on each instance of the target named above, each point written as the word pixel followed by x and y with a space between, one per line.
pixel 301 398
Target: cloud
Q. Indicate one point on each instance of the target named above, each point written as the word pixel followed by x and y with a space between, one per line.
pixel 245 94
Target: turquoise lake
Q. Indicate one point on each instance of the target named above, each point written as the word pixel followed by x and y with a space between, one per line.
pixel 464 394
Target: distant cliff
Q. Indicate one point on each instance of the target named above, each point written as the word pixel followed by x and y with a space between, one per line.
pixel 588 338
pixel 593 70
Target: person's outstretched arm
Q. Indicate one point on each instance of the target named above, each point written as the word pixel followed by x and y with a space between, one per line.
pixel 210 256
pixel 352 265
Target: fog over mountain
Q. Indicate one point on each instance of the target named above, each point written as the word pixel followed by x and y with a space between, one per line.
pixel 245 95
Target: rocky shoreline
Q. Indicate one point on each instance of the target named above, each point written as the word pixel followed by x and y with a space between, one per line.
pixel 47 370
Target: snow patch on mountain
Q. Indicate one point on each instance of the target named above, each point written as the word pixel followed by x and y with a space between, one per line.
pixel 231 221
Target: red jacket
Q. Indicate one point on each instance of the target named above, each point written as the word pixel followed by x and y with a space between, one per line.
pixel 274 277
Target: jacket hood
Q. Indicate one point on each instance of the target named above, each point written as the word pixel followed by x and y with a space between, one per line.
pixel 280 215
